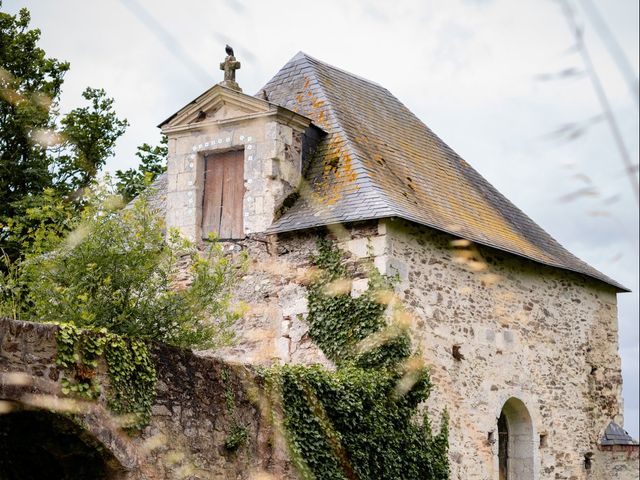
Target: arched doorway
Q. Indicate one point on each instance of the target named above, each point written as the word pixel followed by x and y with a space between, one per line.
pixel 516 449
pixel 37 444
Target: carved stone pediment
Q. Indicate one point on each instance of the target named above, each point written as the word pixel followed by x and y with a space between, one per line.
pixel 220 105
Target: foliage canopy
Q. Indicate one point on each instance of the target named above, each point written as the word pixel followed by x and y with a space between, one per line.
pixel 133 181
pixel 43 153
pixel 118 270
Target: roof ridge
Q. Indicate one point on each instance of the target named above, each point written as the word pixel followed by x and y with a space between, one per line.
pixel 333 67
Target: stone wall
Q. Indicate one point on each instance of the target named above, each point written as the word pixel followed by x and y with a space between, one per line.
pixel 618 462
pixel 274 291
pixel 543 336
pixel 198 402
pixel 274 296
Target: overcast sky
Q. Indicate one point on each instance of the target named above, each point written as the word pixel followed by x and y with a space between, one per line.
pixel 476 71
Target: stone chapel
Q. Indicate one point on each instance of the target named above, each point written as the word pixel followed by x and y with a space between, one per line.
pixel 520 335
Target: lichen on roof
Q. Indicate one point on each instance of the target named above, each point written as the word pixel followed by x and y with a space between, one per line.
pixel 379 160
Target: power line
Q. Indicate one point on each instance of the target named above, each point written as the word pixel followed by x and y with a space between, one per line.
pixel 578 34
pixel 614 48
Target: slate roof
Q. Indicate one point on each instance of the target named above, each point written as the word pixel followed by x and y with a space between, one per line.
pixel 616 435
pixel 379 160
pixel 156 195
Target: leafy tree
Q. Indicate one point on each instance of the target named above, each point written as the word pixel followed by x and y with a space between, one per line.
pixel 119 271
pixel 39 148
pixel 153 160
pixel 90 135
pixel 30 85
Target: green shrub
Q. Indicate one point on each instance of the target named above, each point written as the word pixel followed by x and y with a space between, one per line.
pixel 119 271
pixel 132 374
pixel 352 424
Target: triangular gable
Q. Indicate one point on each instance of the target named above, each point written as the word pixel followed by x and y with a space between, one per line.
pixel 221 104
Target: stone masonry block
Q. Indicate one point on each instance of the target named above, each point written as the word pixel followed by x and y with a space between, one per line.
pixel 271 131
pixel 172 182
pixel 290 172
pixel 367 246
pixel 381 264
pixel 295 307
pixel 171 145
pixel 359 286
pixel 186 181
pixel 269 149
pixel 271 168
pixel 184 144
pixel 174 164
pixel 285 134
pixel 392 266
pixel 258 205
pixel 282 348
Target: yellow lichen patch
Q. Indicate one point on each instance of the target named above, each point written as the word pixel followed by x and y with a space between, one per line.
pixel 439 193
pixel 338 176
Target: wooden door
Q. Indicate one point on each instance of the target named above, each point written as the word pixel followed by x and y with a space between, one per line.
pixel 223 195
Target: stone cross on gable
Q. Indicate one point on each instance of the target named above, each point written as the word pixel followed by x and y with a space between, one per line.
pixel 230 65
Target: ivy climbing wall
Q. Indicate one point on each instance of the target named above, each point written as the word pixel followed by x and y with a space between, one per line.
pixel 489 324
pixel 205 419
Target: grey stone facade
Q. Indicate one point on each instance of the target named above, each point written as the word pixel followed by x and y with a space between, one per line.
pixel 534 342
pixel 528 332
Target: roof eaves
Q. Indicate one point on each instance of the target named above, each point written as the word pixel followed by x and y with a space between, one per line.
pixel 281 226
